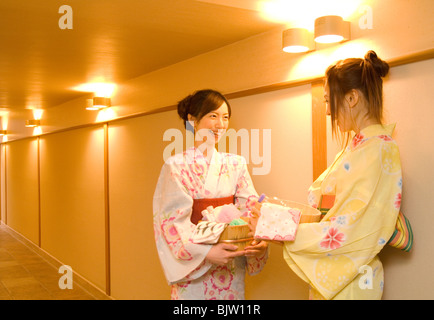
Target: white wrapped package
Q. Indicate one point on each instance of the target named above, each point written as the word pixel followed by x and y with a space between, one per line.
pixel 277 223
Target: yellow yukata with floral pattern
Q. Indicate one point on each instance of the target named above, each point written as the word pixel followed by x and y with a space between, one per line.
pixel 338 256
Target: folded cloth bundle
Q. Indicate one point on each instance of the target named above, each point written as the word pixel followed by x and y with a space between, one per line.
pixel 207 232
pixel 277 222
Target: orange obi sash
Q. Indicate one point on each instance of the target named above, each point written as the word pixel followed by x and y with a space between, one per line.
pixel 201 204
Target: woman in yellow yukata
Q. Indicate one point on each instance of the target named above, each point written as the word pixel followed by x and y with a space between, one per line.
pixel 338 256
pixel 190 182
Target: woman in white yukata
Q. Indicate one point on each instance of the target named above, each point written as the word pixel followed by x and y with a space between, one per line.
pixel 190 182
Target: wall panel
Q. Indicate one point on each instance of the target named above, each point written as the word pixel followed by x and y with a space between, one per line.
pixel 72 200
pixel 22 188
pixel 135 160
pixel 288 113
pixel 3 183
pixel 408 101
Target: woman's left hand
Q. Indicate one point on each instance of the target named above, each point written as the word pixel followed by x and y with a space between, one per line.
pixel 253 221
pixel 256 249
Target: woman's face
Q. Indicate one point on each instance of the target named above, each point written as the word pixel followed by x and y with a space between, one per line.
pixel 213 125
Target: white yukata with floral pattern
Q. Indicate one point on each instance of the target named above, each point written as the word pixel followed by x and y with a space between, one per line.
pixel 338 256
pixel 189 176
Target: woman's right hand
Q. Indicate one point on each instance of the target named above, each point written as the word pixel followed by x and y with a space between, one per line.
pixel 223 253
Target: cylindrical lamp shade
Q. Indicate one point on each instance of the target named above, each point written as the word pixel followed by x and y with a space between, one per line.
pixel 330 29
pixel 98 103
pixel 297 40
pixel 33 123
pixel 101 102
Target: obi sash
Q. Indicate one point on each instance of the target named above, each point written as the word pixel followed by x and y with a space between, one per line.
pixel 201 204
pixel 326 203
pixel 402 237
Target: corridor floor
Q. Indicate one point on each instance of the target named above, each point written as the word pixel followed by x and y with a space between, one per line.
pixel 26 275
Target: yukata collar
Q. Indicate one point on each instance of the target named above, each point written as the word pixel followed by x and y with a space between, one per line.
pixel 197 155
pixel 375 130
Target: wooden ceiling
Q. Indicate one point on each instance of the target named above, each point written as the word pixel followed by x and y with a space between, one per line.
pixel 110 41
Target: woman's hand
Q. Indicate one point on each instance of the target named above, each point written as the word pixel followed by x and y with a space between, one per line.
pixel 223 253
pixel 253 221
pixel 256 249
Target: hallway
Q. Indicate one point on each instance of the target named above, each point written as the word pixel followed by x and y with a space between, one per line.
pixel 26 275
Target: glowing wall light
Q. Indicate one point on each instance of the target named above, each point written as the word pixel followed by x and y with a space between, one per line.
pixel 303 13
pixel 98 103
pixel 37 114
pixel 331 29
pixel 32 123
pixel 100 89
pixel 106 114
pixel 297 40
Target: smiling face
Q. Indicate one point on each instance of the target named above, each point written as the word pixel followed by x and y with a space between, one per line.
pixel 212 126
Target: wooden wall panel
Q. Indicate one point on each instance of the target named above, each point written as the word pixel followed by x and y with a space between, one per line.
pixel 319 130
pixel 72 201
pixel 408 98
pixel 135 160
pixel 3 190
pixel 22 194
pixel 287 114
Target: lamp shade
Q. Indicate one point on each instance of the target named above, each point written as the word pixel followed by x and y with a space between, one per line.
pixel 33 123
pixel 297 40
pixel 331 29
pixel 101 102
pixel 98 103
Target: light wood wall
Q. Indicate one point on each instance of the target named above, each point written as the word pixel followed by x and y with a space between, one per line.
pixel 72 200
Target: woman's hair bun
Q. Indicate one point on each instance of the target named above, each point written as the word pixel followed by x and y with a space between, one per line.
pixel 380 66
pixel 184 107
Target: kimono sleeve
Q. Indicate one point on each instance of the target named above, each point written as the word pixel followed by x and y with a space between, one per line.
pixel 172 207
pixel 328 254
pixel 245 193
pixel 246 197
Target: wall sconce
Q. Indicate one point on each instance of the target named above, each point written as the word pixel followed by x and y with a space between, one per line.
pixel 33 123
pixel 3 132
pixel 297 40
pixel 98 103
pixel 331 29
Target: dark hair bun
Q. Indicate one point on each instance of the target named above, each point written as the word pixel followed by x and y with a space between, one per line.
pixel 380 66
pixel 184 107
